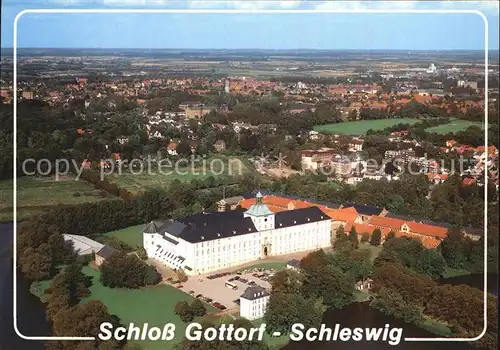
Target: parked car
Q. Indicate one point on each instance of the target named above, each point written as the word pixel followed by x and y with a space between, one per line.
pixel 191 292
pixel 180 286
pixel 236 278
pixel 199 295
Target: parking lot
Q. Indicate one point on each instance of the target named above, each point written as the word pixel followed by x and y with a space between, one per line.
pixel 215 290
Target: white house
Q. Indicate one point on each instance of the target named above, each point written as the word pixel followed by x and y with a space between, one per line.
pixel 207 242
pixel 253 303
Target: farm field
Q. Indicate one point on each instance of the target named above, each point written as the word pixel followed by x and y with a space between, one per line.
pixel 137 183
pixel 454 126
pixel 38 194
pixel 360 127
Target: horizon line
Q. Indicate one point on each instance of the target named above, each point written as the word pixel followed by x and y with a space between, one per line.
pixel 241 49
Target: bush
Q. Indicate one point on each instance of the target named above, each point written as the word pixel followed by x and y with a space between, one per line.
pixel 141 253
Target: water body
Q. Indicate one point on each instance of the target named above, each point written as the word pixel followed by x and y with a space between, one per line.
pixel 31 314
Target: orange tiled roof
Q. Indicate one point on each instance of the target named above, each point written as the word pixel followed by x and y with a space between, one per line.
pixel 428 230
pixel 431 176
pixel 427 242
pixel 247 203
pixel 277 201
pixel 346 214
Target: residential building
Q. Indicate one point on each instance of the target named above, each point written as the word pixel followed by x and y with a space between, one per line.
pixel 198 112
pixel 253 303
pixel 316 159
pixel 230 203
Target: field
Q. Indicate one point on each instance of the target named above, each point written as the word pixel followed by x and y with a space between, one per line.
pixel 362 126
pixel 454 126
pixel 136 183
pixel 131 235
pixel 38 194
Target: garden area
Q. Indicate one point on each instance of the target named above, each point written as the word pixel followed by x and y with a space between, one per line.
pixel 36 195
pixel 360 127
pixel 153 305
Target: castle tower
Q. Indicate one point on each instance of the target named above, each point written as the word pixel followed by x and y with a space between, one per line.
pixel 149 237
pixel 261 215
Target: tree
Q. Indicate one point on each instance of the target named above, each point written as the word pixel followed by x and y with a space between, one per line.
pixel 431 263
pixel 453 248
pixel 286 281
pixel 314 260
pixel 35 264
pixel 124 270
pixel 84 319
pixel 183 149
pixel 329 283
pixel 376 237
pixel 390 235
pixel 353 237
pixel 365 237
pixel 181 307
pixel 284 310
pixel 197 308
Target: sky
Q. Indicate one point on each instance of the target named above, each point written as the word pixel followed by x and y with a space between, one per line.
pixel 332 31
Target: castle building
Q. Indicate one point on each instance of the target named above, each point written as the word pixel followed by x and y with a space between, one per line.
pixel 253 303
pixel 206 242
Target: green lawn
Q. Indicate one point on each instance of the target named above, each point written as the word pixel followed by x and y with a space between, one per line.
pixel 451 272
pixel 374 250
pixel 436 327
pixel 454 126
pixel 360 127
pixel 223 166
pixel 268 265
pixel 36 195
pixel 131 235
pixel 153 305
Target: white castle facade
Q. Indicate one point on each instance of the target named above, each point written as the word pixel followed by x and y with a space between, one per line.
pixel 207 242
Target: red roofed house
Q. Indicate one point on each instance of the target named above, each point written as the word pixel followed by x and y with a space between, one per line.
pixel 172 148
pixel 437 178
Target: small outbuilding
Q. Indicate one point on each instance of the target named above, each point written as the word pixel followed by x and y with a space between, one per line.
pixel 104 253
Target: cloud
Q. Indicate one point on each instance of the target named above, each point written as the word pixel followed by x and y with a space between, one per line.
pixel 488 7
pixel 245 5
